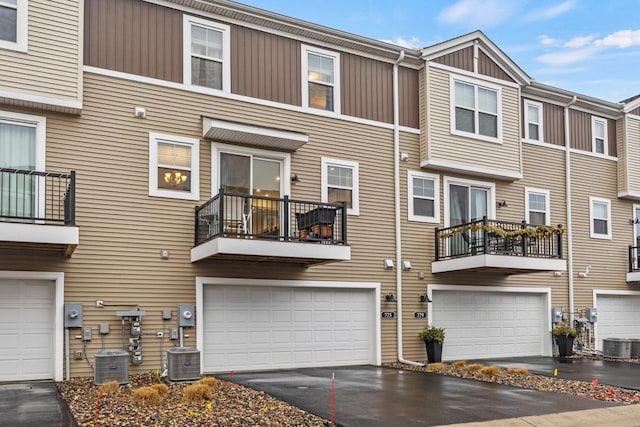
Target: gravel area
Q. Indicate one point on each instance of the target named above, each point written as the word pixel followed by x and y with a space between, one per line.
pixel 228 405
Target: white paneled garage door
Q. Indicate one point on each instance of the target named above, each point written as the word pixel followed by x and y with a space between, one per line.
pixel 488 324
pixel 618 317
pixel 259 327
pixel 26 329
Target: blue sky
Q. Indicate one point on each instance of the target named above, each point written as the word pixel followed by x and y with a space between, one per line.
pixel 591 47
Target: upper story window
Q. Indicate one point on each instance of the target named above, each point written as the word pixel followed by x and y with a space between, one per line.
pixel 600 218
pixel 340 183
pixel 533 121
pixel 173 167
pixel 424 198
pixel 599 132
pixel 537 206
pixel 13 24
pixel 206 54
pixel 320 79
pixel 475 109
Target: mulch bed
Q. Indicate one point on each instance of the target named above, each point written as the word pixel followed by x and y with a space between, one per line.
pixel 231 405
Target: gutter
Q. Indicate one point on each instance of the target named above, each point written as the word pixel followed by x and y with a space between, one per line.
pixel 567 171
pixel 396 192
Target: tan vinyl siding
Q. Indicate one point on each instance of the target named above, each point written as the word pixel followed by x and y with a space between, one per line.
pixel 134 37
pixel 367 88
pixel 52 62
pixel 265 66
pixel 623 155
pixel 424 113
pixel 462 59
pixel 409 95
pixel 466 150
pixel 487 67
pixel 631 165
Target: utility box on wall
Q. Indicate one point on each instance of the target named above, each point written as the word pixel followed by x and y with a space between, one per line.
pixel 556 314
pixel 73 315
pixel 592 314
pixel 186 317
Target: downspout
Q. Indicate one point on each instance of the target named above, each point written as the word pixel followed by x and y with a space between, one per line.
pixel 396 192
pixel 567 171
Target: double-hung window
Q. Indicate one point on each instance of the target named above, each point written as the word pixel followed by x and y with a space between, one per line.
pixel 340 183
pixel 13 25
pixel 600 140
pixel 475 109
pixel 424 197
pixel 600 218
pixel 320 79
pixel 206 54
pixel 533 121
pixel 537 206
pixel 173 167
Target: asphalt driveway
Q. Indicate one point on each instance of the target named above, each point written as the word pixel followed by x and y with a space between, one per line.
pixel 31 404
pixel 376 396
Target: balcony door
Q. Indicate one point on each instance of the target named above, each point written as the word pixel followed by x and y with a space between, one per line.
pixel 17 151
pixel 257 185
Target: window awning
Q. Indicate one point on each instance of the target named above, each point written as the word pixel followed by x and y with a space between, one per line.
pixel 257 136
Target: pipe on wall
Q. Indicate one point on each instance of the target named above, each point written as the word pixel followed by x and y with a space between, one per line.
pixel 567 170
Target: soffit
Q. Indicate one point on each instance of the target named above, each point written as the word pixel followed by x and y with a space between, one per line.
pixel 255 136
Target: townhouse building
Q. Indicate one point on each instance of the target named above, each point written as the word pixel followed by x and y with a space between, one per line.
pixel 280 194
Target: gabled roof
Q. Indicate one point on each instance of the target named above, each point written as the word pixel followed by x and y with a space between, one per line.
pixel 490 48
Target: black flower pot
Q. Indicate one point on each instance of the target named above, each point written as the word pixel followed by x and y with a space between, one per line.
pixel 565 345
pixel 434 351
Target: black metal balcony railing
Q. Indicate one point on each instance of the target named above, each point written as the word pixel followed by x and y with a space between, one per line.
pixel 634 259
pixel 282 219
pixel 30 196
pixel 498 238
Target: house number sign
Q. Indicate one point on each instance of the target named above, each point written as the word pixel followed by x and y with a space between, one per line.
pixel 388 314
pixel 420 314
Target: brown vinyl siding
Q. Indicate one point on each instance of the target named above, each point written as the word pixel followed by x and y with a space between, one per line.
pixel 487 67
pixel 635 111
pixel 612 135
pixel 134 37
pixel 265 66
pixel 462 59
pixel 409 94
pixel 553 123
pixel 582 132
pixel 367 88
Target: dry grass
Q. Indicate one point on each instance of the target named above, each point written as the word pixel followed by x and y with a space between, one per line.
pixel 437 367
pixel 111 387
pixel 162 389
pixel 197 392
pixel 518 371
pixel 475 367
pixel 459 364
pixel 146 396
pixel 490 371
pixel 209 382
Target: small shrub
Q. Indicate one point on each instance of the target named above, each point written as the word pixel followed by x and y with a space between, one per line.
pixel 475 367
pixel 197 392
pixel 431 333
pixel 162 389
pixel 459 364
pixel 146 395
pixel 437 367
pixel 518 371
pixel 564 330
pixel 209 382
pixel 111 387
pixel 490 371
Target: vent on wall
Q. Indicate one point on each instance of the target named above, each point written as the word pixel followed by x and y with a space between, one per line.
pixel 183 363
pixel 111 365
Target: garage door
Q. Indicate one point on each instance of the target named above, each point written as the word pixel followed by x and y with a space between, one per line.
pixel 26 330
pixel 249 328
pixel 618 317
pixel 482 324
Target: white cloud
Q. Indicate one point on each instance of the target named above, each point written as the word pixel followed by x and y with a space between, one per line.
pixel 565 57
pixel 620 39
pixel 478 13
pixel 410 43
pixel 579 41
pixel 550 12
pixel 545 40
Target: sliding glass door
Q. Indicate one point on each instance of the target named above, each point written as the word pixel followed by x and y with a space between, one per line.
pixel 17 151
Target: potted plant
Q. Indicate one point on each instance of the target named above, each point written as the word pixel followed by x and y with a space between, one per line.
pixel 564 335
pixel 433 339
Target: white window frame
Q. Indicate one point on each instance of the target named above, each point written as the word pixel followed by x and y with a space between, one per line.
pixel 527 209
pixel 22 18
pixel 538 105
pixel 355 190
pixel 452 98
pixel 594 235
pixel 491 196
pixel 599 120
pixel 154 191
pixel 187 22
pixel 306 50
pixel 436 197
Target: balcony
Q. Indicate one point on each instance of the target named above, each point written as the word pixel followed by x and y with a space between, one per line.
pixel 499 247
pixel 633 275
pixel 37 211
pixel 255 228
